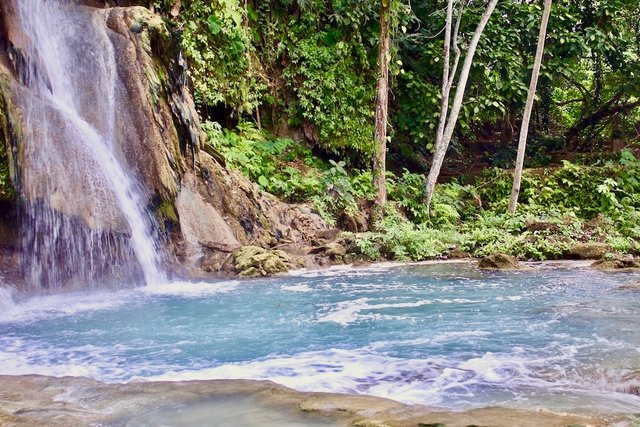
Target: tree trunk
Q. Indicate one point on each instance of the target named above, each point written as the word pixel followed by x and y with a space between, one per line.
pixel 524 128
pixel 444 102
pixel 441 150
pixel 606 110
pixel 382 98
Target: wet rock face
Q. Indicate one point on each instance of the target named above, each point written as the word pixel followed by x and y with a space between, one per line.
pixel 499 262
pixel 205 211
pixel 146 134
pixel 201 224
pixel 149 133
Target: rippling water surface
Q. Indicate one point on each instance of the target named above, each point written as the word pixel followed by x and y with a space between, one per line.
pixel 445 335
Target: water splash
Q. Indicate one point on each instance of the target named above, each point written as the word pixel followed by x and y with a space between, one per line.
pixel 7 303
pixel 85 216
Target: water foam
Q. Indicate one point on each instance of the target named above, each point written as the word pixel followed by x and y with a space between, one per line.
pixel 186 289
pixel 41 307
pixel 459 381
pixel 346 312
pixel 298 288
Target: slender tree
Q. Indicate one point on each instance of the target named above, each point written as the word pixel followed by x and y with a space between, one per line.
pixel 448 122
pixel 382 99
pixel 526 117
pixel 448 70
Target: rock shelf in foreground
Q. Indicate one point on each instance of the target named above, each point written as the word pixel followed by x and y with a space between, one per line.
pixel 38 401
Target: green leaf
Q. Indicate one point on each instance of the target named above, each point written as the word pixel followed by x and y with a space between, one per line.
pixel 215 24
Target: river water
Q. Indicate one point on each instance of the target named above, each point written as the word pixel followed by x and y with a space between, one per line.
pixel 446 335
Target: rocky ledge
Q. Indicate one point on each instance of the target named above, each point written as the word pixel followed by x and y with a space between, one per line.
pixel 40 401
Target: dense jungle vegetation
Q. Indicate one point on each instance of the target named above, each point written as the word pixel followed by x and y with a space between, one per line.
pixel 287 93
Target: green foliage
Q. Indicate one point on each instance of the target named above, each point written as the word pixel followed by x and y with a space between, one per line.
pixel 7 191
pixel 288 170
pixel 403 240
pixel 309 68
pixel 332 91
pixel 559 207
pixel 588 79
pixel 341 193
pixel 408 191
pixel 323 54
pixel 268 162
pixel 609 188
pixel 217 45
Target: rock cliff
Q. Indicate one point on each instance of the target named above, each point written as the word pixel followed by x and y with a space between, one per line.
pixel 203 211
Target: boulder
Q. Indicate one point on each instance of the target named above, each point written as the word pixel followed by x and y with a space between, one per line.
pixel 457 254
pixel 331 250
pixel 621 263
pixel 328 234
pixel 334 249
pixel 589 250
pixel 251 261
pixel 499 261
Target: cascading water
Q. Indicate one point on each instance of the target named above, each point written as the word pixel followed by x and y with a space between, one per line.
pixel 84 214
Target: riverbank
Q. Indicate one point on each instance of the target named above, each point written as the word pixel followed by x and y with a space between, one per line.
pixel 39 400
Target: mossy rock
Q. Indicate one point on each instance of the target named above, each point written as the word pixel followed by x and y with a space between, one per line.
pixel 331 250
pixel 167 211
pixel 589 250
pixel 457 253
pixel 253 261
pixel 10 137
pixel 622 263
pixel 499 261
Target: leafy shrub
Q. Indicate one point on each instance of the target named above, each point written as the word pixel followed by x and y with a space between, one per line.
pixel 268 162
pixel 403 240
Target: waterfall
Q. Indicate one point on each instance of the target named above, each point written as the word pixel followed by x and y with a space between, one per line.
pixel 85 214
pixel 7 302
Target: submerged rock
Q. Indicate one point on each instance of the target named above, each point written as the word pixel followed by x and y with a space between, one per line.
pixel 634 286
pixel 589 250
pixel 499 261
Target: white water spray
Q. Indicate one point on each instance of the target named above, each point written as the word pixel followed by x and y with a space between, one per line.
pixel 7 303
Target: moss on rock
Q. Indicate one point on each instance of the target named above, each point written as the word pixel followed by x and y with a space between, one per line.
pixel 499 261
pixel 619 263
pixel 10 134
pixel 251 261
pixel 589 250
